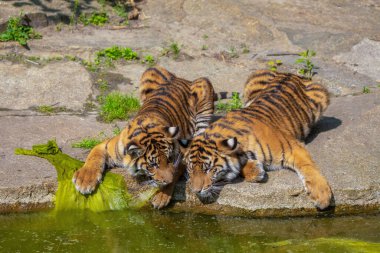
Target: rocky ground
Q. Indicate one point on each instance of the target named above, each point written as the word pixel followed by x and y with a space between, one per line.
pixel 222 40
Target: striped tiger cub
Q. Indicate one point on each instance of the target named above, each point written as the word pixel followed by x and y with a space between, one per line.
pixel 171 108
pixel 266 134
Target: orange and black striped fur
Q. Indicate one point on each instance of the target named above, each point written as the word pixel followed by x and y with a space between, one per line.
pixel 266 134
pixel 171 108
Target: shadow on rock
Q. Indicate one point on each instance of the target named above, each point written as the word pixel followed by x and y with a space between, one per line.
pixel 324 125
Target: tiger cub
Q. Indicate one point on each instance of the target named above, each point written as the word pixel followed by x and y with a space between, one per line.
pixel 266 134
pixel 171 108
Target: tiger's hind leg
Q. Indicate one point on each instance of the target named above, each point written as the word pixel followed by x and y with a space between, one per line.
pixel 316 185
pixel 319 99
pixel 202 100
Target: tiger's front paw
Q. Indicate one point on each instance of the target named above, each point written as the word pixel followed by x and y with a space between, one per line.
pixel 161 199
pixel 320 192
pixel 253 172
pixel 86 179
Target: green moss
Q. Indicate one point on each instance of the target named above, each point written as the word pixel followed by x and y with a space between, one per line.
pixel 118 106
pixel 16 31
pixel 110 195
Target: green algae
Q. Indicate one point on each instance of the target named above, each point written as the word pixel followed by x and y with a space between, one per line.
pixel 326 245
pixel 111 194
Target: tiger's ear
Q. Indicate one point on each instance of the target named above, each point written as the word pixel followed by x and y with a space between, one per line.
pixel 229 145
pixel 172 132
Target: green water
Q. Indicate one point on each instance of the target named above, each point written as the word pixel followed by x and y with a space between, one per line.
pixel 154 231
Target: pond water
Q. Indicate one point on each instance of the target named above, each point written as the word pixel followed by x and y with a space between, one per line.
pixel 160 231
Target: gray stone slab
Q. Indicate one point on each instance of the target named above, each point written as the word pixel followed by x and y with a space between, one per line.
pixel 364 58
pixel 64 84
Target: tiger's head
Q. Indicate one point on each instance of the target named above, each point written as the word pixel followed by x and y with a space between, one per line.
pixel 150 149
pixel 211 163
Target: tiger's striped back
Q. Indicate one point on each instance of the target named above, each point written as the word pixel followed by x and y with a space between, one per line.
pixel 288 102
pixel 179 102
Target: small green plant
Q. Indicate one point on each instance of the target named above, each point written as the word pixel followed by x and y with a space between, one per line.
pixel 71 57
pixel 366 90
pixel 90 66
pixel 33 58
pixel 204 47
pixel 58 27
pixel 86 143
pixel 108 55
pixel 233 104
pixel 116 131
pixel 175 49
pixel 149 60
pixel 274 64
pixel 120 11
pixel 233 53
pixel 103 85
pixel 307 65
pixel 95 18
pixel 16 31
pixel 89 142
pixel 75 12
pixel 205 36
pixel 246 50
pixel 46 109
pixel 118 106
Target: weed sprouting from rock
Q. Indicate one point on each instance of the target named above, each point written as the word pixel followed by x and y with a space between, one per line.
pixel 307 65
pixel 233 104
pixel 274 64
pixel 16 31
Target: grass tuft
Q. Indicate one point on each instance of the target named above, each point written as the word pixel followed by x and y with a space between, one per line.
pixel 118 106
pixel 87 143
pixel 108 55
